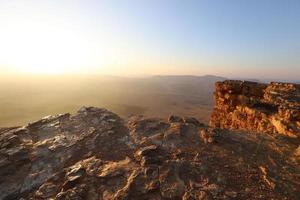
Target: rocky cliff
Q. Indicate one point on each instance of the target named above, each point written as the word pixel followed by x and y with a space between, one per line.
pixel 270 108
pixel 96 155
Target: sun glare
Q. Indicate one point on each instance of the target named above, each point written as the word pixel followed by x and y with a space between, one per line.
pixel 46 51
pixel 44 45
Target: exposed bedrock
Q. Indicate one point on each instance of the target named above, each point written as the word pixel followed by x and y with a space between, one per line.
pixel 270 108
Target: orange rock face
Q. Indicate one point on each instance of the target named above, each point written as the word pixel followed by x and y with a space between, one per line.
pixel 269 108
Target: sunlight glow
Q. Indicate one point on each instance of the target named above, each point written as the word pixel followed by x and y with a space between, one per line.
pixel 149 37
pixel 42 50
pixel 33 41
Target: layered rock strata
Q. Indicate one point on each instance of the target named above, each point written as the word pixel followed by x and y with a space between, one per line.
pixel 270 108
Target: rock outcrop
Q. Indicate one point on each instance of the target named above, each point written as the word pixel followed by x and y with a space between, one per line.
pixel 32 155
pixel 94 154
pixel 270 108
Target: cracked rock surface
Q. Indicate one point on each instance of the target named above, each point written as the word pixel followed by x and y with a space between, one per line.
pixel 94 154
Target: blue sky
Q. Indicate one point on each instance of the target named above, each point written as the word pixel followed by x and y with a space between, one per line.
pixel 234 38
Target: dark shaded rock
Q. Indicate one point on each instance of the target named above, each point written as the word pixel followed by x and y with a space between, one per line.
pixel 175 119
pixel 150 155
pixel 192 120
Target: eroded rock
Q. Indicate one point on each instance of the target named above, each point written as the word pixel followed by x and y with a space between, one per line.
pixel 95 155
pixel 270 108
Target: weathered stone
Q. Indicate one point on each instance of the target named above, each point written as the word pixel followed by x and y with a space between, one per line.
pixel 95 155
pixel 149 155
pixel 269 108
pixel 46 146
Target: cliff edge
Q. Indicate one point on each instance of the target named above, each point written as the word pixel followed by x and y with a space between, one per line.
pixel 270 108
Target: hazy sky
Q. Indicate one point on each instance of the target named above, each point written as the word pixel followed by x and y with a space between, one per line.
pixel 234 38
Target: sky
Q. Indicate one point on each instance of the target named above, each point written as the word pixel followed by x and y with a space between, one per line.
pixel 232 38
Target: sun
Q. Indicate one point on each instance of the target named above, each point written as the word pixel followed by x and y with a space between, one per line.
pixel 47 53
pixel 36 47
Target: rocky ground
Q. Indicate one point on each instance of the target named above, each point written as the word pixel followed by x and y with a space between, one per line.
pixel 95 154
